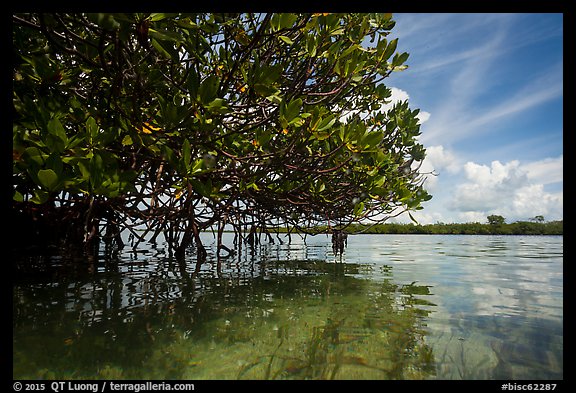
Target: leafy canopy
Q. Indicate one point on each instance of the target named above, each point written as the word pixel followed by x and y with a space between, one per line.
pixel 195 119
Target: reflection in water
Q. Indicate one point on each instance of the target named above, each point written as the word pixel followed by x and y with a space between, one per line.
pixel 292 314
pixel 318 323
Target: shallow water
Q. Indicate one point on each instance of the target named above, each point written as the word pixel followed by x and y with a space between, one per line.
pixel 392 307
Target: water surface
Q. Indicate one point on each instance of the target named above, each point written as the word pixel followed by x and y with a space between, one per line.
pixel 392 307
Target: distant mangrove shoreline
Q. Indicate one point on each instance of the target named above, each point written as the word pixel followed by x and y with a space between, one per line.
pixel 473 228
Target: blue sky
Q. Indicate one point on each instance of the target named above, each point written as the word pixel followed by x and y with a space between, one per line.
pixel 490 91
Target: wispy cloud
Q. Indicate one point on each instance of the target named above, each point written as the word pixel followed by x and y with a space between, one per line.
pixel 546 171
pixel 460 57
pixel 464 112
pixel 540 91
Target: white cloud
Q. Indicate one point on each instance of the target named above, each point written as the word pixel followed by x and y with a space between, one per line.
pixel 498 174
pixel 401 95
pixel 438 161
pixel 488 187
pixel 397 95
pixel 546 171
pixel 423 116
pixel 469 192
pixel 472 217
pixel 504 189
pixel 532 200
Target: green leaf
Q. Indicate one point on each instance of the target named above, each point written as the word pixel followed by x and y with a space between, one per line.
pixel 389 49
pixel 286 39
pixel 311 46
pixel 96 170
pixel 155 17
pixel 349 50
pixel 165 35
pixel 56 128
pixel 379 181
pixel 265 90
pixel 35 155
pixel 54 162
pixel 186 154
pixel 263 137
pixel 91 128
pixel 372 139
pixel 169 155
pixel 75 141
pixel 18 197
pixel 292 109
pixel 204 188
pixel 218 105
pixel 126 179
pixel 48 178
pixel 127 141
pixel 358 208
pixel 268 74
pixel 208 89
pixel 399 68
pixel 275 22
pixel 165 49
pixel 193 82
pixel 287 20
pixel 106 21
pixel 197 167
pixel 84 169
pixel 274 98
pixel 399 59
pixel 253 186
pixel 326 123
pixel 297 121
pixel 381 45
pixel 321 135
pixel 40 197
